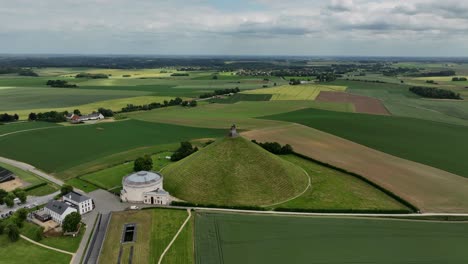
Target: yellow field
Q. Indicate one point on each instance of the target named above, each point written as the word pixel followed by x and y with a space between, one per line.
pixel 296 92
pixel 114 104
pixel 115 73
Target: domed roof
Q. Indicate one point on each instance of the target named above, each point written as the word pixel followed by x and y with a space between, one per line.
pixel 142 178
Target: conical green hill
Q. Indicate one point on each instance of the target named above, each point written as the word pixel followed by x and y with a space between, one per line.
pixel 234 171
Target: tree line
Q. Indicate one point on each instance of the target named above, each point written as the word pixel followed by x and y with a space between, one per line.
pixel 172 102
pixel 275 147
pixel 186 149
pixel 220 92
pixel 60 84
pixel 19 71
pixel 92 75
pixel 459 79
pixel 435 93
pixel 8 198
pixel 8 118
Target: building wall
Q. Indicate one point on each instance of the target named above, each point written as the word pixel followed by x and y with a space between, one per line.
pixel 83 207
pixel 162 199
pixel 136 194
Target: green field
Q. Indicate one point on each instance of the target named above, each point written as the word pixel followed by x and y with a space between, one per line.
pixel 155 229
pixel 235 238
pixel 66 243
pixel 21 126
pixel 335 190
pixel 22 251
pixel 241 97
pixel 58 149
pixel 435 144
pixel 401 102
pixel 223 115
pixel 234 171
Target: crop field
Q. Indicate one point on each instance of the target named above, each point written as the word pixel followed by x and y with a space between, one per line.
pixel 155 229
pixel 362 104
pixel 22 251
pixel 242 97
pixel 111 178
pixel 15 127
pixel 428 188
pixel 401 102
pixel 58 149
pixel 237 238
pixel 332 189
pixel 296 92
pixel 34 98
pixel 223 115
pixel 390 135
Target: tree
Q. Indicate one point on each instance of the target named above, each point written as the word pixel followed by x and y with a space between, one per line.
pixel 76 112
pixel 12 231
pixel 9 199
pixel 144 163
pixel 21 194
pixel 2 227
pixel 32 117
pixel 183 151
pixel 215 77
pixel 16 117
pixel 106 112
pixel 66 189
pixel 39 233
pixel 71 221
pixel 3 194
pixel 193 103
pixel 22 214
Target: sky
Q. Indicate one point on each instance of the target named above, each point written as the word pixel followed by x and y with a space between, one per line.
pixel 236 27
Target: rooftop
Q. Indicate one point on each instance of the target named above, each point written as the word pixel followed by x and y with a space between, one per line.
pixel 142 177
pixel 76 197
pixel 57 206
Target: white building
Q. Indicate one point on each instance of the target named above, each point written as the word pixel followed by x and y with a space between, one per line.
pixel 58 210
pixel 144 187
pixel 82 202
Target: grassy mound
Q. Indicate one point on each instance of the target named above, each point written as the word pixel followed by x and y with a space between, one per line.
pixel 234 171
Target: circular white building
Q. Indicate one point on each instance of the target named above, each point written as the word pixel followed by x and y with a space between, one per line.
pixel 144 187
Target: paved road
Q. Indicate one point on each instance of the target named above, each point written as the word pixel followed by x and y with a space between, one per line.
pixel 32 169
pixel 32 201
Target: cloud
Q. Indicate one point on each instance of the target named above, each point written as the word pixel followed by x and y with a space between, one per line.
pixel 283 27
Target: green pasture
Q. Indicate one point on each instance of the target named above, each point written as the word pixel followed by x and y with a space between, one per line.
pixel 223 115
pixel 111 178
pixel 241 97
pixel 155 229
pixel 435 144
pixel 67 243
pixel 22 251
pixel 58 149
pixel 247 238
pixel 335 190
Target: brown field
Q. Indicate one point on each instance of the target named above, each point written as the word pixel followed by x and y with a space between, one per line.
pixel 13 184
pixel 362 104
pixel 428 188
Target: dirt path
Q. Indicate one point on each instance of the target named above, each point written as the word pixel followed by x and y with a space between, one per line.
pixel 176 235
pixel 26 130
pixel 44 246
pixel 428 188
pixel 309 184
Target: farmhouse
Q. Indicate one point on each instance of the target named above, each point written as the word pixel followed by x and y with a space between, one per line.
pixel 144 187
pixel 58 210
pixel 91 117
pixel 83 203
pixel 6 175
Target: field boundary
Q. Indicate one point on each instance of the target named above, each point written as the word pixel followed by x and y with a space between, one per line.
pixel 175 236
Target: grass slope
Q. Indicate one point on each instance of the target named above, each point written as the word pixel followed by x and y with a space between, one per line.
pixel 435 144
pixel 235 238
pixel 234 171
pixel 61 148
pixel 332 189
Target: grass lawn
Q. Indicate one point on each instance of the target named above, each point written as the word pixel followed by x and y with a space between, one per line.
pixel 32 179
pixel 181 252
pixel 236 238
pixel 332 189
pixel 234 171
pixel 43 190
pixel 55 150
pixel 22 251
pixel 66 243
pixel 435 144
pixel 296 92
pixel 155 229
pixel 21 126
pixel 82 185
pixel 111 178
